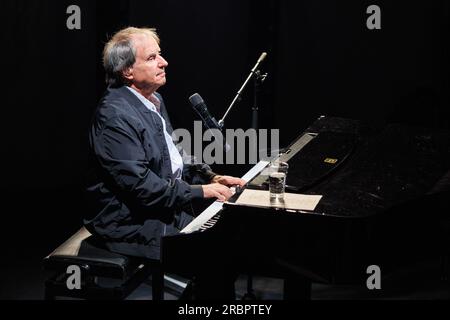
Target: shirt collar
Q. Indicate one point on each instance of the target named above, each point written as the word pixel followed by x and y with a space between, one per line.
pixel 153 104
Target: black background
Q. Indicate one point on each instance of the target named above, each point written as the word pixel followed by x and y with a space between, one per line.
pixel 322 60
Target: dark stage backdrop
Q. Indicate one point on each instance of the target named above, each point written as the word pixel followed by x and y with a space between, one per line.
pixel 329 62
pixel 322 60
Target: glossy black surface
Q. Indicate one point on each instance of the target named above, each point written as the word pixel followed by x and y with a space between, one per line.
pixel 383 203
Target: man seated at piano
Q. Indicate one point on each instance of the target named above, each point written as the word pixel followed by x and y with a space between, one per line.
pixel 138 184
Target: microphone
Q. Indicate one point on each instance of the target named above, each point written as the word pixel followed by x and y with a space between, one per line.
pixel 198 104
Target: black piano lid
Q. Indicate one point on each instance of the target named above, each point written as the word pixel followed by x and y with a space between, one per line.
pixel 398 165
pixel 363 169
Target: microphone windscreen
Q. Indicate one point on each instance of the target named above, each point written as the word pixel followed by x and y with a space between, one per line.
pixel 195 99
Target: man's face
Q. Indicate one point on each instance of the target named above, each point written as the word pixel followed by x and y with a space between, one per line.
pixel 148 72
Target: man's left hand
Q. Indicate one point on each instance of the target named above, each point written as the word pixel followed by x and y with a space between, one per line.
pixel 229 181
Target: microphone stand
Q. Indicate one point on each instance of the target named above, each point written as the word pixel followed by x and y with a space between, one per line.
pixel 258 80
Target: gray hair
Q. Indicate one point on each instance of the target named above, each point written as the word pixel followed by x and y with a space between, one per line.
pixel 119 54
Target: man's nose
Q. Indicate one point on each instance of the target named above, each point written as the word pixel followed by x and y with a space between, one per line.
pixel 162 62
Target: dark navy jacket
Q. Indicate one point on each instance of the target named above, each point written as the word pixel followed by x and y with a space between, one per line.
pixel 131 196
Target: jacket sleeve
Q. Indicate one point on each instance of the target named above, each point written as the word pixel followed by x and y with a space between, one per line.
pixel 195 172
pixel 119 150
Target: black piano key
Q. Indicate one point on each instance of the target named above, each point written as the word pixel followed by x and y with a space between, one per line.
pixel 210 223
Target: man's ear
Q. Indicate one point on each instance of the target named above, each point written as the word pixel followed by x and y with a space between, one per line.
pixel 128 73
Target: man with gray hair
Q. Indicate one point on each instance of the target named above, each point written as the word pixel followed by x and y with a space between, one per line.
pixel 139 185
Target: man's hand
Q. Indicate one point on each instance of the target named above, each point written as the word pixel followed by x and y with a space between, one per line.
pixel 229 181
pixel 216 190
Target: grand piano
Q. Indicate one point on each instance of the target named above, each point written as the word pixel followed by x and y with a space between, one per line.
pixel 384 198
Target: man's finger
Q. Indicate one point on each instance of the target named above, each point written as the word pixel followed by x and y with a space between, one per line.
pixel 219 196
pixel 237 181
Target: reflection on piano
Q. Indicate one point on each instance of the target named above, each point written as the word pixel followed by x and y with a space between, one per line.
pixel 380 206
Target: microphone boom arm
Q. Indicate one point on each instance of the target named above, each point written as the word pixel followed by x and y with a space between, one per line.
pixel 239 94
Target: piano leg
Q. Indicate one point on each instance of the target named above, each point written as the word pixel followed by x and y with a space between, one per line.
pixel 297 288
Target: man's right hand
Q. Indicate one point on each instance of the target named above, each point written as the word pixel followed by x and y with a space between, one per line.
pixel 216 190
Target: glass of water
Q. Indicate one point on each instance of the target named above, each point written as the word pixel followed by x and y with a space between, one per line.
pixel 277 181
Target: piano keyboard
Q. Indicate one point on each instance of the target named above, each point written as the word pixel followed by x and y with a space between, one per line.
pixel 204 217
pixel 210 223
pixel 211 215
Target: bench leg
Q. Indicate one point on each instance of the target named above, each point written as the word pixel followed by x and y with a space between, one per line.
pixel 48 294
pixel 250 295
pixel 157 282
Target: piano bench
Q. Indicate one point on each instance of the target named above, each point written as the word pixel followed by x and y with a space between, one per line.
pixel 103 274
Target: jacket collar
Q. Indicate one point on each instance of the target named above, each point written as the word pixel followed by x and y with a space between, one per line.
pixel 131 98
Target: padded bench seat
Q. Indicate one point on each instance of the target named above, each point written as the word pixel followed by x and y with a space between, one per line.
pixel 104 274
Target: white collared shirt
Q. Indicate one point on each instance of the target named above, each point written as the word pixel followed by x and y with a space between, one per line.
pixel 175 157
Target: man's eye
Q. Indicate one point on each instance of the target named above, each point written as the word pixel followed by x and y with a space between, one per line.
pixel 151 58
